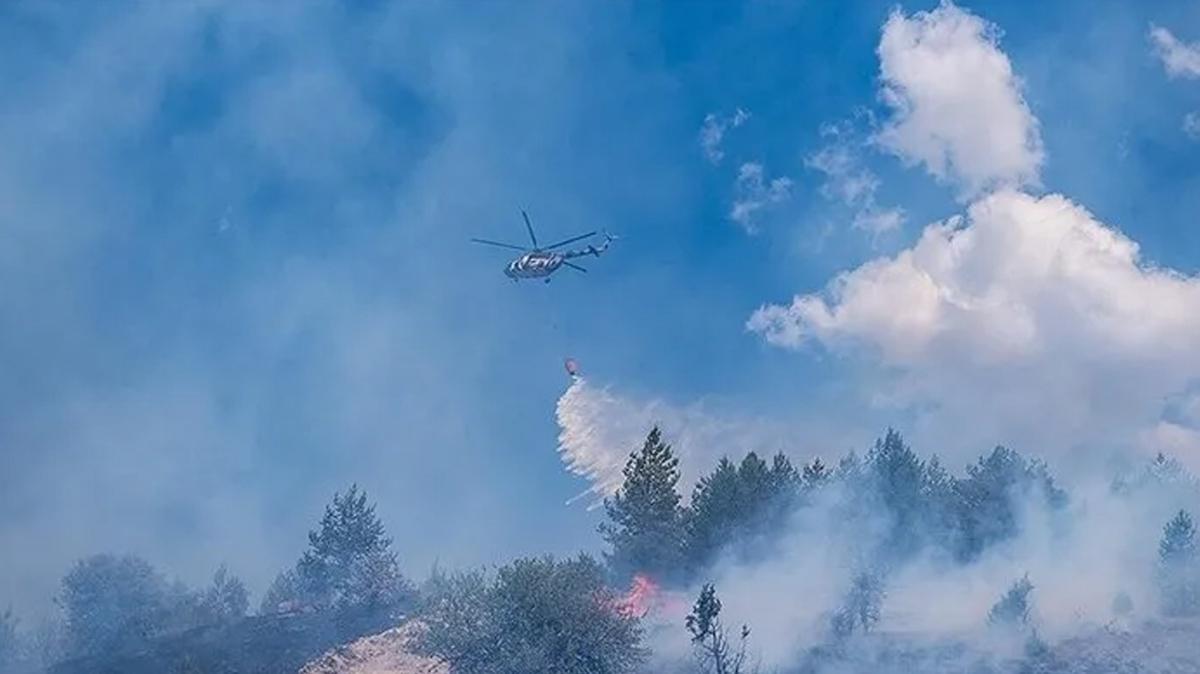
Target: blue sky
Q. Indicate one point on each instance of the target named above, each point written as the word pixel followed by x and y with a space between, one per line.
pixel 236 274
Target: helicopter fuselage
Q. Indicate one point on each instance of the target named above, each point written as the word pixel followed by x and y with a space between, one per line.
pixel 534 264
pixel 542 261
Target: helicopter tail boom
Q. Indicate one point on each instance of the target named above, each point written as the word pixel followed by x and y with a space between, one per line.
pixel 591 250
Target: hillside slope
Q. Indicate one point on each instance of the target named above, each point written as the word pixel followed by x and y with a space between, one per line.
pixel 1152 647
pixel 385 653
pixel 278 644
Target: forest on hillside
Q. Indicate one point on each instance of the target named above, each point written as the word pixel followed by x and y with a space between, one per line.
pixel 656 599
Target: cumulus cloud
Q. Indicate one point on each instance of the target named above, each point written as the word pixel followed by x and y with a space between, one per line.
pixel 849 182
pixel 1181 59
pixel 753 193
pixel 712 132
pixel 1028 321
pixel 957 106
pixel 599 428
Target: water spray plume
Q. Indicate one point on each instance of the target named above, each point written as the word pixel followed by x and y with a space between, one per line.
pixel 599 428
pixel 589 447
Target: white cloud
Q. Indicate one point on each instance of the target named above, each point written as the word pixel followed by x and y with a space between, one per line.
pixel 879 221
pixel 1180 59
pixel 849 182
pixel 958 107
pixel 712 132
pixel 599 428
pixel 1191 125
pixel 1029 322
pixel 754 193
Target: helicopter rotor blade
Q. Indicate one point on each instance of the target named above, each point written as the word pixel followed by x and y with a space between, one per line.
pixel 570 240
pixel 574 266
pixel 529 226
pixel 498 244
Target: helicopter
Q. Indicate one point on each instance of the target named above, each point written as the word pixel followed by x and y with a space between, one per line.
pixel 542 261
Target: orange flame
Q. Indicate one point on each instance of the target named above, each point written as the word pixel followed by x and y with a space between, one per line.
pixel 643 595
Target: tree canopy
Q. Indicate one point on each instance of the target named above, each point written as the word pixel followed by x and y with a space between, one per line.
pixel 645 528
pixel 1179 567
pixel 349 566
pixel 534 616
pixel 111 602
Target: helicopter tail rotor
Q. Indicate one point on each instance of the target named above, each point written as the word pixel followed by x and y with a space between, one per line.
pixel 608 238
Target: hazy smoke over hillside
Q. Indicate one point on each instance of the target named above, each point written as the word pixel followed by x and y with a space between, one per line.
pixel 1083 558
pixel 1084 561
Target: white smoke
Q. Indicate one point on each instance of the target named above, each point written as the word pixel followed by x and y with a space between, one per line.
pixel 1104 545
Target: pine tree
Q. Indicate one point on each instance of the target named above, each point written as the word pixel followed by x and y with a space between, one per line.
pixel 815 475
pixel 898 476
pixel 1178 544
pixel 987 497
pixel 1161 472
pixel 1178 572
pixel 785 479
pixel 1165 470
pixel 784 496
pixel 850 469
pixel 226 598
pixel 857 503
pixel 283 595
pixel 862 606
pixel 940 508
pixel 755 518
pixel 349 565
pixel 715 651
pixel 645 527
pixel 755 482
pixel 743 507
pixel 1013 609
pixel 714 515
